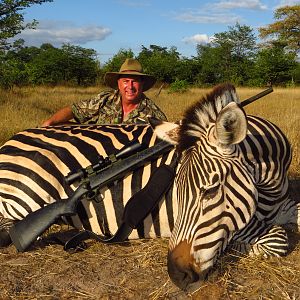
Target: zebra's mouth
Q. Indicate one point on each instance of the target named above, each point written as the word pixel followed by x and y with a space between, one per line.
pixel 181 267
pixel 187 278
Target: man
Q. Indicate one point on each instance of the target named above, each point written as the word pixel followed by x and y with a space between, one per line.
pixel 125 104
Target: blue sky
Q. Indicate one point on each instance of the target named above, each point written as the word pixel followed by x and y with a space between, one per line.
pixel 109 25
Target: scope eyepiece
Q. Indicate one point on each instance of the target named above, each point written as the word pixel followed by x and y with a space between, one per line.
pixel 130 149
pixel 74 176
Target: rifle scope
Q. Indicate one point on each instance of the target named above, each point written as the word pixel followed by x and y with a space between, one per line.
pixel 102 162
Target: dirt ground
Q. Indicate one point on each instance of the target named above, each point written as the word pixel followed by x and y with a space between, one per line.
pixel 137 270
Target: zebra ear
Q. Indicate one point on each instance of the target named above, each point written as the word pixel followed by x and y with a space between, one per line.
pixel 166 131
pixel 231 125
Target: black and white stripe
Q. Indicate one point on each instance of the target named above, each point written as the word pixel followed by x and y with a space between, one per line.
pixel 34 163
pixel 232 186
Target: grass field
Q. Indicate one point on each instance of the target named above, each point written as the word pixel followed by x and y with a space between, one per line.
pixel 138 270
pixel 27 107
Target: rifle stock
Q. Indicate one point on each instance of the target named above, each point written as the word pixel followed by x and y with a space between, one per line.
pixel 34 224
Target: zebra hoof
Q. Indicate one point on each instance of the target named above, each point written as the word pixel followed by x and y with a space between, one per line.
pixel 5 224
pixel 5 239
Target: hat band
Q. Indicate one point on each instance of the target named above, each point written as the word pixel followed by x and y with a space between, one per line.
pixel 130 71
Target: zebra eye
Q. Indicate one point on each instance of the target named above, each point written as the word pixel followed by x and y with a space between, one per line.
pixel 208 197
pixel 211 192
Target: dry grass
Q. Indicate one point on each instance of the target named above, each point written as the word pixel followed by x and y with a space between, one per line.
pixel 27 107
pixel 137 270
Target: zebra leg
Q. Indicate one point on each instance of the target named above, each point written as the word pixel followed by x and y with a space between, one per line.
pixel 294 190
pixel 273 243
pixel 5 224
pixel 289 215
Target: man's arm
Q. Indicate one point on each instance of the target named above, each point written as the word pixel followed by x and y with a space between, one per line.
pixel 62 116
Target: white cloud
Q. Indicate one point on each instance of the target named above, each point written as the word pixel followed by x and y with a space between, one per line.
pixel 220 12
pixel 197 39
pixel 247 4
pixel 58 32
pixel 210 18
pixel 288 3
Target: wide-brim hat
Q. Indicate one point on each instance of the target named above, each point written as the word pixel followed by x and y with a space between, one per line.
pixel 129 67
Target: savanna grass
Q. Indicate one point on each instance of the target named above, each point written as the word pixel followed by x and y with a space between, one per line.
pixel 27 107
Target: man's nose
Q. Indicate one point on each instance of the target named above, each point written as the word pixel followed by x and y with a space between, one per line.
pixel 130 84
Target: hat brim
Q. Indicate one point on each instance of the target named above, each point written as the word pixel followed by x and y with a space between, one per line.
pixel 111 79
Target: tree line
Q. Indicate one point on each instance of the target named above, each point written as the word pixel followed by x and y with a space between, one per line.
pixel 234 55
pixel 48 65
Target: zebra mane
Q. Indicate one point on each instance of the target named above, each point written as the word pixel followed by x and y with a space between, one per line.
pixel 200 115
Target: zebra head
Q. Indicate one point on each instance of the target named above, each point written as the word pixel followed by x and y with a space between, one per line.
pixel 215 190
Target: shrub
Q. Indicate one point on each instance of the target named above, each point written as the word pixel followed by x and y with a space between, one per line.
pixel 179 86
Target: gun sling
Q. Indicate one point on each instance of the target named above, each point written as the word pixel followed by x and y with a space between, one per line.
pixel 136 210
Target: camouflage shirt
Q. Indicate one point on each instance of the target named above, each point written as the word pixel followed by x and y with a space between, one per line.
pixel 106 108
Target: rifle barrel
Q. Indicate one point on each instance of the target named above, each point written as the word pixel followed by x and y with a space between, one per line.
pixel 259 95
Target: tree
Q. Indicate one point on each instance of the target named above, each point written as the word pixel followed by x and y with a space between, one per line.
pixel 238 48
pixel 23 54
pixel 114 64
pixel 275 66
pixel 229 57
pixel 187 70
pixel 211 60
pixel 286 29
pixel 239 39
pixel 160 62
pixel 80 63
pixel 46 66
pixel 12 19
pixel 296 74
pixel 12 72
pixel 13 64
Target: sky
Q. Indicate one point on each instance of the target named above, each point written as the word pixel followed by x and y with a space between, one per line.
pixel 110 25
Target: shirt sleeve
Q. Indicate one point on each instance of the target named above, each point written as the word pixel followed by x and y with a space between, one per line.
pixel 154 111
pixel 158 114
pixel 85 110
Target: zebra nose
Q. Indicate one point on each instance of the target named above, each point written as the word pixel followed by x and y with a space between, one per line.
pixel 180 266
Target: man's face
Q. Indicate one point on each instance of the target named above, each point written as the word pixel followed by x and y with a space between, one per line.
pixel 131 88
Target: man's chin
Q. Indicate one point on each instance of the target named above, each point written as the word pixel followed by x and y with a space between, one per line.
pixel 132 98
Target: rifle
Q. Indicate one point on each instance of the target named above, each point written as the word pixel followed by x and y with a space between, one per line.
pixel 257 96
pixel 35 223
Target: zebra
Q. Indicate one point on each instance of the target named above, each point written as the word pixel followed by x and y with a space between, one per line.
pixel 230 189
pixel 34 165
pixel 231 185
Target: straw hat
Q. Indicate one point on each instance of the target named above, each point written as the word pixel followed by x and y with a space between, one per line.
pixel 130 67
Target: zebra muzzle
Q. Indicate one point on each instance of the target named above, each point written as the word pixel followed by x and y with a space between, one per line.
pixel 181 266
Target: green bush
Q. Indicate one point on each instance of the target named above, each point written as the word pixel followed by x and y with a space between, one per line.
pixel 179 86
